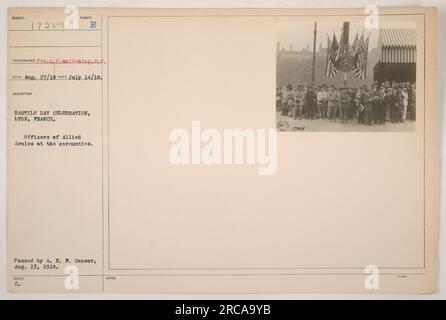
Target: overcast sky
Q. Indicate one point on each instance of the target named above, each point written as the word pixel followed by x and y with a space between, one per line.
pixel 299 34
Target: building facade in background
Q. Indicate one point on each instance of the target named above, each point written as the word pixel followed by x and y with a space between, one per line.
pixel 397 55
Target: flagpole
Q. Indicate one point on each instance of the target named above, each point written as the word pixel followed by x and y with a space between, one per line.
pixel 314 53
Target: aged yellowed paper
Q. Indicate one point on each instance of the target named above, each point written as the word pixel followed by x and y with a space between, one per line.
pixel 222 150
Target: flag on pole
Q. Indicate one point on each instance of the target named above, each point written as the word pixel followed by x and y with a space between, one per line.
pixel 333 58
pixel 360 59
pixel 356 60
pixel 328 53
pixel 366 54
pixel 354 48
pixel 355 53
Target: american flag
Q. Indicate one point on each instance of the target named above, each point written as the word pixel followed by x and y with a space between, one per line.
pixel 354 52
pixel 360 58
pixel 333 57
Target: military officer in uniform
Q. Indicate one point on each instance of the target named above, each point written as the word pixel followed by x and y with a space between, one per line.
pixel 322 102
pixel 310 102
pixel 368 107
pixel 344 104
pixel 332 100
pixel 300 102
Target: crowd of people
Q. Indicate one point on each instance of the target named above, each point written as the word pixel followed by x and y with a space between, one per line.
pixel 375 104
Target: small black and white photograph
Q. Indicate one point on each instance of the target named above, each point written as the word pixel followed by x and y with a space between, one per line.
pixel 342 76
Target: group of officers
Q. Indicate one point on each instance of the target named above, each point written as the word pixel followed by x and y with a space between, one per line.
pixel 373 104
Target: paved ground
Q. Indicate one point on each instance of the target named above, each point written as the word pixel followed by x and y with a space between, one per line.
pixel 351 125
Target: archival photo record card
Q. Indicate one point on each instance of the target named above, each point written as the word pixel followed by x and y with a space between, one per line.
pixel 222 150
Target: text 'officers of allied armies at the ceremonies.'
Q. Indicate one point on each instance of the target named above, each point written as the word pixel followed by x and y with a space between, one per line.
pixel 381 102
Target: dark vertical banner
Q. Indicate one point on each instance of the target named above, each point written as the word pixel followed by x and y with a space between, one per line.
pixel 346 59
pixel 345 33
